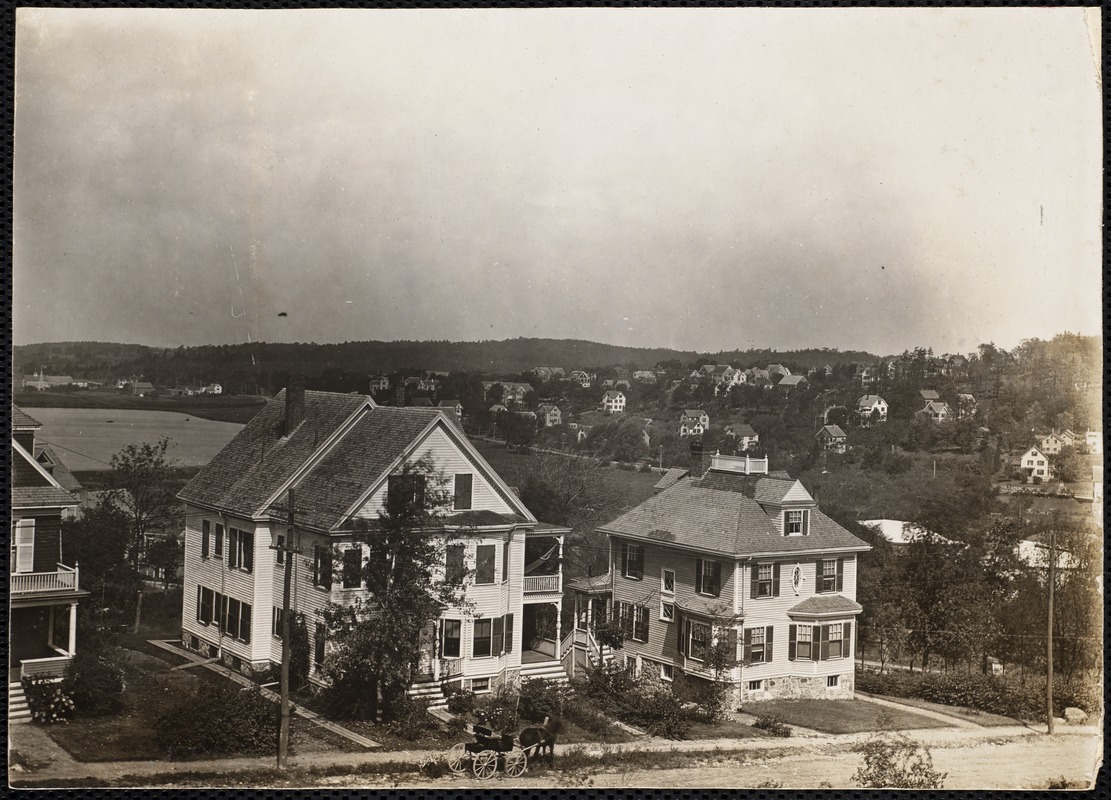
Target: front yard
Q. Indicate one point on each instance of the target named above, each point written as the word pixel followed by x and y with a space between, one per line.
pixel 151 687
pixel 841 716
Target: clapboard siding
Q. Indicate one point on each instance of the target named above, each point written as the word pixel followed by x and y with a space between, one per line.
pixel 449 459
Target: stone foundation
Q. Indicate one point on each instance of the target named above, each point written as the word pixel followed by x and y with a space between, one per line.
pixel 195 644
pixel 787 687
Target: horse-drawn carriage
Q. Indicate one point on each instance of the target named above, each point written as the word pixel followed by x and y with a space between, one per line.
pixel 491 751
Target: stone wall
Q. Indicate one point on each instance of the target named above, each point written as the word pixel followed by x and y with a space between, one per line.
pixel 791 687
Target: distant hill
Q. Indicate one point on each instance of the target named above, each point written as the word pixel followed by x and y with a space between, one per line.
pixel 243 367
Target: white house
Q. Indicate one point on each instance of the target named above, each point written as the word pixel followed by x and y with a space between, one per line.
pixel 1093 440
pixel 871 407
pixel 689 427
pixel 613 402
pixel 696 415
pixel 1035 464
pixel 935 411
pixel 342 454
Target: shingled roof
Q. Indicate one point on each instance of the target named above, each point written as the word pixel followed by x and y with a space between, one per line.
pixel 825 604
pixel 261 459
pixel 723 513
pixel 20 419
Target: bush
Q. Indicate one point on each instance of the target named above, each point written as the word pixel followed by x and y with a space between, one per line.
pixel 95 682
pixel 662 714
pixel 409 718
pixel 708 696
pixel 773 725
pixel 219 720
pixel 540 699
pixel 892 761
pixel 461 701
pixel 48 700
pixel 642 701
pixel 499 710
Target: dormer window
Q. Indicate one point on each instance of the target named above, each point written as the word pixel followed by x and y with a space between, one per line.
pixel 794 523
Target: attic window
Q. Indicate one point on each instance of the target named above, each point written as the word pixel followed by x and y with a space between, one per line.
pixel 794 523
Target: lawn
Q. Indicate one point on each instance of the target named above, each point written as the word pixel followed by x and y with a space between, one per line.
pixel 841 716
pixel 961 712
pixel 726 729
pixel 130 734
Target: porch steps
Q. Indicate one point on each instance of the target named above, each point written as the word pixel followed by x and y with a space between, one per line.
pixel 430 692
pixel 18 710
pixel 549 670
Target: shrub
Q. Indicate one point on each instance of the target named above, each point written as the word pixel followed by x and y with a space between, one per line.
pixel 663 714
pixel 586 715
pixel 409 718
pixel 708 696
pixel 540 698
pixel 892 761
pixel 48 700
pixel 773 725
pixel 499 709
pixel 220 719
pixel 461 701
pixel 95 682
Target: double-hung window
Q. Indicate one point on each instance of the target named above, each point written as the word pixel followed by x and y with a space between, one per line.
pixel 504 562
pixel 241 545
pixel 485 555
pixel 464 483
pixel 319 645
pixel 765 580
pixel 836 640
pixel 700 640
pixel 453 638
pixel 322 566
pixel 632 561
pixel 667 595
pixel 352 567
pixel 279 551
pixel 405 494
pixel 23 546
pixel 707 577
pixel 483 634
pixel 205 614
pixel 205 533
pixel 758 644
pixel 794 523
pixel 830 574
pixel 804 643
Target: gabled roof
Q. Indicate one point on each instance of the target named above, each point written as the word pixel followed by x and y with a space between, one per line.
pixel 869 400
pixel 47 457
pixel 23 421
pixel 670 478
pixel 721 513
pixel 928 394
pixel 833 431
pixel 612 395
pixel 934 407
pixel 792 380
pixel 45 493
pixel 744 429
pixel 343 449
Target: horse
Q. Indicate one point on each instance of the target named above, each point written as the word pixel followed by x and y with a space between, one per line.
pixel 538 739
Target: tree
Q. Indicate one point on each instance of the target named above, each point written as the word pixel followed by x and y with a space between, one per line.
pixel 1067 465
pixel 377 640
pixel 164 555
pixel 140 487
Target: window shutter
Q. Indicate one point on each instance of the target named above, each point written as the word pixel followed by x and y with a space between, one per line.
pixel 25 545
pixel 791 633
pixel 768 631
pixel 624 558
pixel 823 645
pixel 684 634
pixel 698 574
pixel 840 573
pixel 204 539
pixel 645 616
pixel 748 644
pixel 847 640
pixel 248 540
pixel 326 566
pixel 806 522
pixel 199 603
pixel 775 579
pixel 754 584
pixel 818 575
pixel 715 587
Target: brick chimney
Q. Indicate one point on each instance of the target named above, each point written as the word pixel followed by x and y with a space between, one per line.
pixel 700 461
pixel 294 403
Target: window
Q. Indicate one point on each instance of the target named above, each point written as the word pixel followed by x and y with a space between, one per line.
pixel 463 487
pixel 804 645
pixel 505 562
pixel 204 539
pixel 794 523
pixel 322 566
pixel 633 620
pixel 276 625
pixel 320 643
pixel 836 642
pixel 218 550
pixel 509 633
pixel 667 581
pixel 758 644
pixel 279 551
pixel 483 629
pixel 667 672
pixel 699 640
pixel 667 611
pixel 23 546
pixel 480 685
pixel 755 686
pixel 456 569
pixel 707 577
pixel 765 580
pixel 632 561
pixel 832 681
pixel 830 575
pixel 453 637
pixel 230 616
pixel 352 567
pixel 484 563
pixel 241 546
pixel 204 606
pixel 404 494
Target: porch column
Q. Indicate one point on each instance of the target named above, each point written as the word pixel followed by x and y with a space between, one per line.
pixel 436 650
pixel 50 627
pixel 559 632
pixel 73 628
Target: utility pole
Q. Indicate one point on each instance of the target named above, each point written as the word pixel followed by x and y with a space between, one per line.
pixel 286 550
pixel 1049 633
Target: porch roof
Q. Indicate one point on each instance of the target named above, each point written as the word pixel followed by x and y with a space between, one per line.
pixel 594 584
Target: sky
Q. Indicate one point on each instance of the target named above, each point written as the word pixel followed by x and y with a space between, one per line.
pixel 703 179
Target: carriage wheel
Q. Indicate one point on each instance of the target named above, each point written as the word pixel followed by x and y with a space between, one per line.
pixel 516 762
pixel 485 764
pixel 456 758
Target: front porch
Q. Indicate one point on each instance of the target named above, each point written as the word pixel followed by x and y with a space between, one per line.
pixel 42 641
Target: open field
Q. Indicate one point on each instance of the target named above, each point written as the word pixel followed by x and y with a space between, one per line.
pixel 220 408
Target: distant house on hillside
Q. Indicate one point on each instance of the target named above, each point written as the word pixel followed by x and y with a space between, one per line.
pixel 690 427
pixel 1035 464
pixel 379 383
pixel 644 376
pixel 871 408
pixel 928 394
pixel 696 415
pixel 1094 442
pixel 139 388
pixel 212 388
pixel 613 402
pixel 935 411
pixel 582 378
pixel 550 414
pixel 746 436
pixel 789 382
pixel 832 438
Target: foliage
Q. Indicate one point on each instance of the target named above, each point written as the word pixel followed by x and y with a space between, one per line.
pixel 139 480
pixel 892 761
pixel 773 725
pixel 49 701
pixel 165 555
pixel 409 718
pixel 219 719
pixel 461 701
pixel 609 633
pixel 541 699
pixel 642 701
pixel 95 682
pixel 376 642
pixel 498 709
pixel 298 652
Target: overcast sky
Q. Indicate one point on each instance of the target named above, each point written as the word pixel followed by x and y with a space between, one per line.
pixel 695 178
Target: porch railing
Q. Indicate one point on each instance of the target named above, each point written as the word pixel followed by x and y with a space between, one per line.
pixel 549 584
pixel 44 667
pixel 63 579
